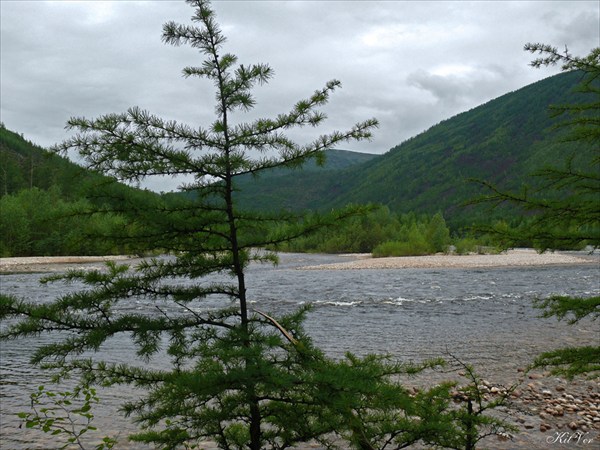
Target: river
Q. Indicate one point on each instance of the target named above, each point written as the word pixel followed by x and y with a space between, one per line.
pixel 482 316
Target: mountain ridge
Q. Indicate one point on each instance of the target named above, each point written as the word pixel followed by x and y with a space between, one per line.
pixel 502 141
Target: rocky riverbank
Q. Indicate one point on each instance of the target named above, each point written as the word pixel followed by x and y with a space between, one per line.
pixel 548 412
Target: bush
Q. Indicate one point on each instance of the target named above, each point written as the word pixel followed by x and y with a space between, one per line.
pixel 397 248
pixel 466 245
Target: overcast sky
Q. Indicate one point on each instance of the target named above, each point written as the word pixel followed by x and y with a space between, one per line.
pixel 410 64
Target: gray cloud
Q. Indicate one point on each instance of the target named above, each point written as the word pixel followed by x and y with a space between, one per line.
pixel 408 63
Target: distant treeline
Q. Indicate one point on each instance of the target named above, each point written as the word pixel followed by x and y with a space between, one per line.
pixel 45 201
pixel 45 204
pixel 37 222
pixel 385 233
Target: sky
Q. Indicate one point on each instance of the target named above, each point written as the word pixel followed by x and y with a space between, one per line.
pixel 410 64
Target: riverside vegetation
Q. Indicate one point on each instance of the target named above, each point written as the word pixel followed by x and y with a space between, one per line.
pixel 243 378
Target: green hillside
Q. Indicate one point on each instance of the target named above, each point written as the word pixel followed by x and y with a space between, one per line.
pixel 297 189
pixel 45 204
pixel 502 141
pixel 24 165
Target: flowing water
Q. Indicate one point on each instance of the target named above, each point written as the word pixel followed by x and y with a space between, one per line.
pixel 482 316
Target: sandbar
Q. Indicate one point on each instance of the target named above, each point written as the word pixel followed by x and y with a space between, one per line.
pixel 53 263
pixel 509 258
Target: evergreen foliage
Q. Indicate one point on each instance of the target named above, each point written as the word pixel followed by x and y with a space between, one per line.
pixel 24 165
pixel 570 361
pixel 238 376
pixel 50 206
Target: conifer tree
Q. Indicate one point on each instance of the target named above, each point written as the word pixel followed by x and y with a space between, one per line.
pixel 238 376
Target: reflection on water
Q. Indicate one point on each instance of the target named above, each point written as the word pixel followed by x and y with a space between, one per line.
pixel 484 317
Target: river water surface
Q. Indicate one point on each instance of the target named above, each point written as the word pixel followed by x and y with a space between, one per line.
pixel 482 316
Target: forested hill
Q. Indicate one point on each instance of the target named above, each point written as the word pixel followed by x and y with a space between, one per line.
pixel 297 189
pixel 502 141
pixel 24 165
pixel 44 204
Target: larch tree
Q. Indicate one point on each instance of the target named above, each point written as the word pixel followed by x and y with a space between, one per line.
pixel 237 376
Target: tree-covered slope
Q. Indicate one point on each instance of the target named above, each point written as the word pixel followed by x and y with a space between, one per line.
pixel 24 165
pixel 297 189
pixel 502 141
pixel 45 204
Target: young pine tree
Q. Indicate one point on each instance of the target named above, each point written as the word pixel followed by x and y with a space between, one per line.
pixel 237 376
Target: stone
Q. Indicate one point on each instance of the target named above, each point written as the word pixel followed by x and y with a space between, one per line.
pixel 504 436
